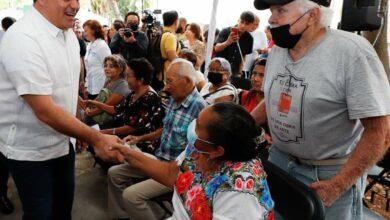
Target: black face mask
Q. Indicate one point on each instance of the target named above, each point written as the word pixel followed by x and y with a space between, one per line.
pixel 283 38
pixel 133 27
pixel 215 78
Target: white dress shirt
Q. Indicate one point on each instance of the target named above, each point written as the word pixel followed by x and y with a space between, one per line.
pixel 36 58
pixel 94 58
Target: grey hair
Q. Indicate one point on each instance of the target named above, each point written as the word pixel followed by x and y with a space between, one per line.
pixel 224 64
pixel 326 13
pixel 186 68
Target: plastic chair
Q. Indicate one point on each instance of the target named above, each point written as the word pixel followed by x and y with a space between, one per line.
pixel 293 199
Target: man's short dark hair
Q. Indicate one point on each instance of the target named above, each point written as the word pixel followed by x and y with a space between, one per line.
pixel 247 17
pixel 34 1
pixel 7 22
pixel 132 13
pixel 170 17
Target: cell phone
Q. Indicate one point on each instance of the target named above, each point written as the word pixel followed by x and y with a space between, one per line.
pixel 234 31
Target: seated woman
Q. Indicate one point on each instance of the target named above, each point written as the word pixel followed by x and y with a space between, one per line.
pixel 250 99
pixel 218 176
pixel 114 90
pixel 141 112
pixel 218 89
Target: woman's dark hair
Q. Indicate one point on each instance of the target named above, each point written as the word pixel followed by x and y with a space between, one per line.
pixel 143 69
pixel 96 27
pixel 189 55
pixel 235 130
pixel 258 62
pixel 195 28
pixel 118 24
pixel 170 17
pixel 118 61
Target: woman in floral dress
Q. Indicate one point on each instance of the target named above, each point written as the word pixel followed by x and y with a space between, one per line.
pixel 218 176
pixel 142 111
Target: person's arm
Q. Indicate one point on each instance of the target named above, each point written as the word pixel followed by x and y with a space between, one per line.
pixel 369 150
pixel 224 40
pixel 146 137
pixel 60 120
pixel 124 130
pixel 113 100
pixel 170 45
pixel 116 42
pixel 259 113
pixel 163 172
pixel 102 106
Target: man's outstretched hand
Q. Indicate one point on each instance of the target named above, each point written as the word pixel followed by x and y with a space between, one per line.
pixel 102 147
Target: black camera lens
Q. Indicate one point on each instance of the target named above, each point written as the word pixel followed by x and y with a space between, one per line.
pixel 127 32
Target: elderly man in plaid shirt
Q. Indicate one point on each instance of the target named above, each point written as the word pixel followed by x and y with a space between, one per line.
pixel 184 105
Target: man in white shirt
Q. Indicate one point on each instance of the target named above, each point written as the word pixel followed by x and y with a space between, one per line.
pixel 39 75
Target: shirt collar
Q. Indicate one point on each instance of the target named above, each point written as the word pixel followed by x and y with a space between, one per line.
pixel 168 29
pixel 187 102
pixel 51 28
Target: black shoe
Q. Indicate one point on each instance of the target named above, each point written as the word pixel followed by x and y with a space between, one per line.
pixel 6 206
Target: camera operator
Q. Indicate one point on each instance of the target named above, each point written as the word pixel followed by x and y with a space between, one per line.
pixel 129 41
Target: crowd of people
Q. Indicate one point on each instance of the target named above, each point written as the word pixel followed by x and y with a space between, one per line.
pixel 162 121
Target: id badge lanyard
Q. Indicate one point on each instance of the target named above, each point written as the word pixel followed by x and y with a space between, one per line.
pixel 285 98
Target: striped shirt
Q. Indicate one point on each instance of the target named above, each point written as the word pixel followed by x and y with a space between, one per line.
pixel 176 121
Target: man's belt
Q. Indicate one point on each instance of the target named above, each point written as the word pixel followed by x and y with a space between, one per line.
pixel 325 162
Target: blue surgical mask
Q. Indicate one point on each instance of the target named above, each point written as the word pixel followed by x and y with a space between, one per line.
pixel 191 134
pixel 191 138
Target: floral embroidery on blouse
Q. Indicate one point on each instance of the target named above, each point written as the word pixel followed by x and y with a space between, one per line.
pixel 197 193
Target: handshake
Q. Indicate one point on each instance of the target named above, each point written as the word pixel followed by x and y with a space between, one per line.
pixel 107 146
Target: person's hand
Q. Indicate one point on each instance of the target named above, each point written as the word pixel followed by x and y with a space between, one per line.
pixel 121 32
pixel 129 40
pixel 91 102
pixel 81 146
pixel 124 151
pixel 132 139
pixel 88 112
pixel 232 38
pixel 328 191
pixel 268 138
pixel 82 103
pixel 102 146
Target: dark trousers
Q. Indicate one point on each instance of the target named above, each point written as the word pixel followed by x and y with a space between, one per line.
pixel 4 174
pixel 46 188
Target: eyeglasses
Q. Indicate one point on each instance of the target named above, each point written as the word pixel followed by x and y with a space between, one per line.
pixel 171 82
